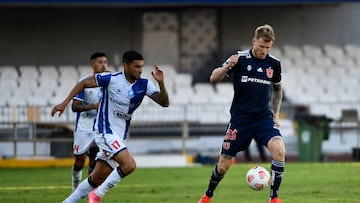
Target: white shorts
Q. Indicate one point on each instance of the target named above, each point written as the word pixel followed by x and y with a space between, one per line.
pixel 82 141
pixel 109 145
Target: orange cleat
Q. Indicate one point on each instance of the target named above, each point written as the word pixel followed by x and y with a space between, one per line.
pixel 275 200
pixel 205 199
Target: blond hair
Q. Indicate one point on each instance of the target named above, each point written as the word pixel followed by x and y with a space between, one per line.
pixel 266 32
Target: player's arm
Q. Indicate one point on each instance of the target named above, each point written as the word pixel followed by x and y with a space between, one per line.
pixel 219 73
pixel 161 97
pixel 86 83
pixel 276 101
pixel 78 106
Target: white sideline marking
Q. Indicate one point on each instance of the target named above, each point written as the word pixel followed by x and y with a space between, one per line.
pixel 35 187
pixel 56 187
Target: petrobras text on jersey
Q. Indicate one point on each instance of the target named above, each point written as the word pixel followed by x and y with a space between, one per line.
pixel 246 78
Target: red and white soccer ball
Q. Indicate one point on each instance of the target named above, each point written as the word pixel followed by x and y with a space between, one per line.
pixel 258 178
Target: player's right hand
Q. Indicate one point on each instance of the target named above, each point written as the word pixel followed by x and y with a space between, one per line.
pixel 233 60
pixel 58 108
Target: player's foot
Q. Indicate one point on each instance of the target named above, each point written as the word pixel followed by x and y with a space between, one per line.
pixel 275 200
pixel 205 199
pixel 93 198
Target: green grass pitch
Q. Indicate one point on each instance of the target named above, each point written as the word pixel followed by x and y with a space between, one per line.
pixel 302 183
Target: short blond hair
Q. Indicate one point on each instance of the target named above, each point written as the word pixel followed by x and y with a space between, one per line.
pixel 266 32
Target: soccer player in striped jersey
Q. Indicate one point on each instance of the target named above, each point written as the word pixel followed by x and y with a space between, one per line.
pixel 85 104
pixel 256 80
pixel 123 92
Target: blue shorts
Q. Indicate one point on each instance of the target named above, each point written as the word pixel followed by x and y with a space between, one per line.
pixel 238 136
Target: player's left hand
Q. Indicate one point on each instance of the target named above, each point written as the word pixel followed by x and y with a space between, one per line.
pixel 158 74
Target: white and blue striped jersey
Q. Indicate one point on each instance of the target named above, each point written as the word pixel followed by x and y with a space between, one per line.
pixel 85 120
pixel 120 99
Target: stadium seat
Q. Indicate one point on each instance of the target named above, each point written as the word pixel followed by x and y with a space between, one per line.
pixel 8 72
pixel 28 71
pixel 48 71
pixel 292 51
pixel 312 51
pixel 333 51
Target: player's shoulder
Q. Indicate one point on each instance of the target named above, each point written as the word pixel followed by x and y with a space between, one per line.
pixel 243 52
pixel 272 57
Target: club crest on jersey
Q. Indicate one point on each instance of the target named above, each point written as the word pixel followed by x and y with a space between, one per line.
pixel 131 94
pixel 249 67
pixel 269 72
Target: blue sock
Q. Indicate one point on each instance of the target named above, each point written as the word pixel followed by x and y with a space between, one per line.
pixel 277 170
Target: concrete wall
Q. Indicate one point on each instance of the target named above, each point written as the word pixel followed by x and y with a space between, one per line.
pixel 50 36
pixel 296 25
pixel 64 35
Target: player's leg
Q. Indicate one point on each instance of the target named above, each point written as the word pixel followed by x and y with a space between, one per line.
pixel 82 142
pixel 269 135
pixel 126 166
pixel 232 144
pixel 77 169
pixel 217 175
pixel 276 147
pixel 93 150
pixel 101 171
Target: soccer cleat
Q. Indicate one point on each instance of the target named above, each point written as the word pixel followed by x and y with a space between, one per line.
pixel 205 199
pixel 93 198
pixel 275 200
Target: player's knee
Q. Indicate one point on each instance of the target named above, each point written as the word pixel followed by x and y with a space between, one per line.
pixel 79 162
pixel 279 153
pixel 222 169
pixel 128 168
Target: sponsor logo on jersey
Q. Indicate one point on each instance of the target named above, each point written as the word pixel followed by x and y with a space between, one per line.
pixel 246 78
pixel 260 70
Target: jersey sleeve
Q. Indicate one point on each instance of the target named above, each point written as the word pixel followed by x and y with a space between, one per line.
pixel 150 90
pixel 226 63
pixel 103 79
pixel 80 96
pixel 277 74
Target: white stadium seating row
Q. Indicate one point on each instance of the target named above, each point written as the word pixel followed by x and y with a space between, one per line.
pixel 324 78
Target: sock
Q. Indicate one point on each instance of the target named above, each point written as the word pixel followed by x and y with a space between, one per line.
pixel 81 191
pixel 277 170
pixel 214 181
pixel 91 169
pixel 112 180
pixel 76 177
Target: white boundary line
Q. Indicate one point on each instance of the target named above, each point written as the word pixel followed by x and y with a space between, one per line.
pixel 35 188
pixel 56 187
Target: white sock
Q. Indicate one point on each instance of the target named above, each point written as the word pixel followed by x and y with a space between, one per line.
pixel 113 179
pixel 81 191
pixel 76 178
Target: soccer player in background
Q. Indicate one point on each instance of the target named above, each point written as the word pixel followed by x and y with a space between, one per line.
pixel 256 74
pixel 85 104
pixel 123 92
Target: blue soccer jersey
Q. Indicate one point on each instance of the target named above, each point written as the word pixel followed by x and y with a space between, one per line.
pixel 252 79
pixel 120 99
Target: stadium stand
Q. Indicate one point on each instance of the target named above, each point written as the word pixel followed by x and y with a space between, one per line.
pixel 325 80
pixel 320 77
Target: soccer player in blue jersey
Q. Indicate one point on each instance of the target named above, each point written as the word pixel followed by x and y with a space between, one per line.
pixel 123 92
pixel 85 104
pixel 256 80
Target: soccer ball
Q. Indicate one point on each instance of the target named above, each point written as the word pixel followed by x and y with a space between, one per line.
pixel 258 178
